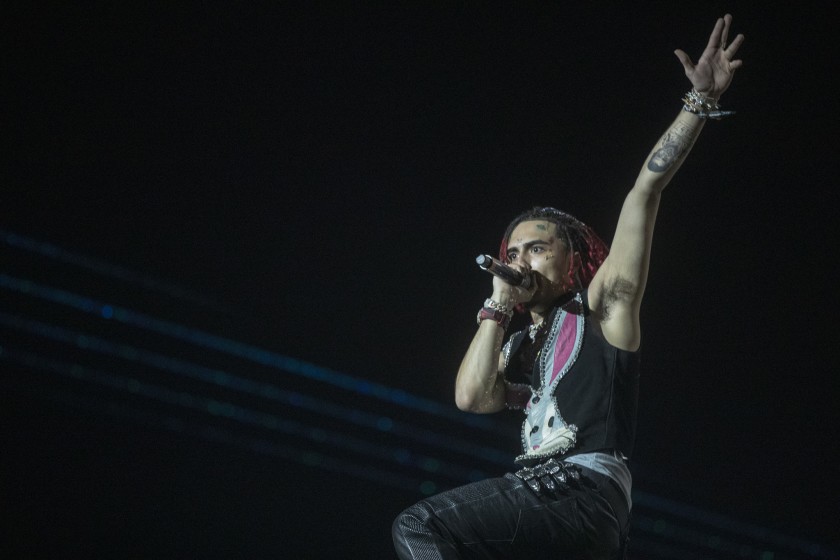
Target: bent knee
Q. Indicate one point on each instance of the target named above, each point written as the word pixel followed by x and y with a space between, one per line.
pixel 410 519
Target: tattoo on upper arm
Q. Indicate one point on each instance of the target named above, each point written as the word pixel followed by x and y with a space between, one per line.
pixel 673 146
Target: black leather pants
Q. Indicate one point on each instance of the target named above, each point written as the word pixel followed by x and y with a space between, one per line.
pixel 583 517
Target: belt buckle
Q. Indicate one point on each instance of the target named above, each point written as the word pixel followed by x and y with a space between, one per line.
pixel 543 474
pixel 526 475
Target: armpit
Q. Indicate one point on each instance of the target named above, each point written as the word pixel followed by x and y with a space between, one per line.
pixel 619 289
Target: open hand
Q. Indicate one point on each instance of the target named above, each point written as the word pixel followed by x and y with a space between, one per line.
pixel 713 73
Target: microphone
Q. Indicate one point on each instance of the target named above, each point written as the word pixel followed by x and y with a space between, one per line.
pixel 503 271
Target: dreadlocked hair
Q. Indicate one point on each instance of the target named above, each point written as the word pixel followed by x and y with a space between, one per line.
pixel 575 235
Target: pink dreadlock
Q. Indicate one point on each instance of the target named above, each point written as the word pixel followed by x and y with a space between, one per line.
pixel 576 236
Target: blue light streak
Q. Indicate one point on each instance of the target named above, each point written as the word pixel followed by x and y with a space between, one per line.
pixel 248 352
pixel 238 413
pixel 232 382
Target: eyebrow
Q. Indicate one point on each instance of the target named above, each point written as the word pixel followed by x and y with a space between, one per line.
pixel 526 246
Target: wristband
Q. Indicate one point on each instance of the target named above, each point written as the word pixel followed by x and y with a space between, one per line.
pixel 493 304
pixel 501 318
pixel 704 107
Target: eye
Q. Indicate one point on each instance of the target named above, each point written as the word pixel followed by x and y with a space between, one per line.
pixel 512 256
pixel 537 249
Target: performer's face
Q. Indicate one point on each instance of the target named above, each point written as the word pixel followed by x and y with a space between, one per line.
pixel 535 246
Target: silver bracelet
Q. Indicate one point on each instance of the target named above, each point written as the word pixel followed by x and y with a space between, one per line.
pixel 702 106
pixel 493 304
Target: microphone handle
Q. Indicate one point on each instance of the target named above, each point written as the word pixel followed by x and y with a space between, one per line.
pixel 503 271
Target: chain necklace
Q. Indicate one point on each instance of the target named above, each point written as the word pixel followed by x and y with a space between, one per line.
pixel 534 329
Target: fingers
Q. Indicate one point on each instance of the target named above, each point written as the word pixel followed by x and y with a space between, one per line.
pixel 715 65
pixel 733 48
pixel 685 60
pixel 724 34
pixel 718 36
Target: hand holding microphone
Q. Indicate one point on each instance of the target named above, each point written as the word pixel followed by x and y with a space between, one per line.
pixel 505 272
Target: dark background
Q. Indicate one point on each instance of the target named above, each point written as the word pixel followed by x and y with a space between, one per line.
pixel 324 176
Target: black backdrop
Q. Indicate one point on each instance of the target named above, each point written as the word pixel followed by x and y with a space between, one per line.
pixel 314 182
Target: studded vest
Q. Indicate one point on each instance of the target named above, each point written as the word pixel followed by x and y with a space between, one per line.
pixel 583 391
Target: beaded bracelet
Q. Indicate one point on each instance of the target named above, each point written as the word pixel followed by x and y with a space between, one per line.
pixel 702 106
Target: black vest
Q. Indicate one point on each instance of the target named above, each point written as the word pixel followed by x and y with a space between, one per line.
pixel 598 394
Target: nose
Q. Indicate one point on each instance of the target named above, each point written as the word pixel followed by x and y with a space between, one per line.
pixel 525 261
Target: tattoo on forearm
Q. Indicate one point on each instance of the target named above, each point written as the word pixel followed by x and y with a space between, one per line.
pixel 673 146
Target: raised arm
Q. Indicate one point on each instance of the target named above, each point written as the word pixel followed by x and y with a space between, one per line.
pixel 617 289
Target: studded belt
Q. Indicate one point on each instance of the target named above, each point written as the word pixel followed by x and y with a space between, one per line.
pixel 553 472
pixel 548 474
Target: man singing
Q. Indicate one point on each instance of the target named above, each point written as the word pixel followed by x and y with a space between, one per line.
pixel 574 370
